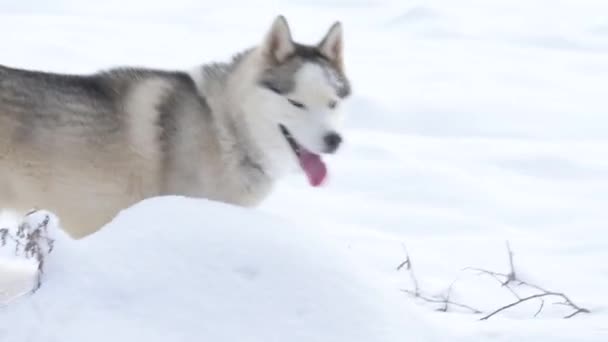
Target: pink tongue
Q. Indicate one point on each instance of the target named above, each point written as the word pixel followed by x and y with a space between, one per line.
pixel 313 166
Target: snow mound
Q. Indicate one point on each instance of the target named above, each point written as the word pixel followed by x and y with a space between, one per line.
pixel 174 269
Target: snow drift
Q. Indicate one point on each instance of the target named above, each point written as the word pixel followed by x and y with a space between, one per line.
pixel 170 269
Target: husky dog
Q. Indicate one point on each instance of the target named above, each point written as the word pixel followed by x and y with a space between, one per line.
pixel 85 147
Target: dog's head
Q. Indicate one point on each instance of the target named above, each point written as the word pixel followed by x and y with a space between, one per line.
pixel 303 87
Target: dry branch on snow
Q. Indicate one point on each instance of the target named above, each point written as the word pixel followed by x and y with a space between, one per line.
pixel 509 280
pixel 32 241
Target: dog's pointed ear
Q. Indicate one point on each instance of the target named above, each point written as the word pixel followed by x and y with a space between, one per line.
pixel 332 46
pixel 278 45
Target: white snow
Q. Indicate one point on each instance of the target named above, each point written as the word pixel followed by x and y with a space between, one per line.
pixel 174 269
pixel 473 122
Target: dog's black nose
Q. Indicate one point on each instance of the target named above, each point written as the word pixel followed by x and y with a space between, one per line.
pixel 332 142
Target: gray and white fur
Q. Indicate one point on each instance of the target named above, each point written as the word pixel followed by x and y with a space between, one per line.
pixel 86 147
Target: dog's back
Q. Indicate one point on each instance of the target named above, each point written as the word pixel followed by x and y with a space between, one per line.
pixel 41 112
pixel 83 147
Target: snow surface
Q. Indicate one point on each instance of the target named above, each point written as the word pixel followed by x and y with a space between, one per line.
pixel 174 269
pixel 472 123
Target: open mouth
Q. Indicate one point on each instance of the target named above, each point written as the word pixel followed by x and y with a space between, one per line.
pixel 310 162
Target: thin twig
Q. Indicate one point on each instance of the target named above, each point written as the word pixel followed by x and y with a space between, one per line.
pixel 542 305
pixel 567 301
pixel 448 294
pixel 34 242
pixel 408 264
pixel 416 292
pixel 538 295
pixel 441 301
pixel 496 276
pixel 511 276
pixel 506 280
pixel 576 313
pixel 403 264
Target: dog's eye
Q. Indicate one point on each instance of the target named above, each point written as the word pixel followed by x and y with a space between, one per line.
pixel 332 104
pixel 276 90
pixel 295 103
pixel 272 88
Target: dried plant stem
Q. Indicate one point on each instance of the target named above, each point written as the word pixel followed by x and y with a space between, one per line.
pixel 34 242
pixel 507 280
